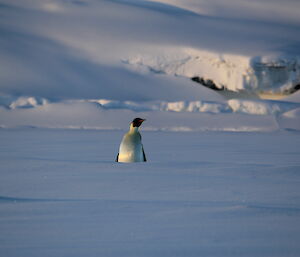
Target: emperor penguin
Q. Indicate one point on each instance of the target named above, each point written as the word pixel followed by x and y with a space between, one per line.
pixel 131 148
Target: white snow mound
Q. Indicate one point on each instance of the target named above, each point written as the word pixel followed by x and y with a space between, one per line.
pixel 27 102
pixel 257 107
pixel 264 76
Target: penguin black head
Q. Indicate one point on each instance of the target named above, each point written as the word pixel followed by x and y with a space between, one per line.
pixel 137 122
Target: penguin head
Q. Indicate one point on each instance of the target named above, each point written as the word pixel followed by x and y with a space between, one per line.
pixel 137 122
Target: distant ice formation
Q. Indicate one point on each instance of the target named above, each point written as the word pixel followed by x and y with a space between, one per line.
pixel 267 77
pixel 27 102
pixel 23 102
pixel 245 106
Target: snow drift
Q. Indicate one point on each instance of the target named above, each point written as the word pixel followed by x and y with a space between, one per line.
pixel 128 58
pixel 232 115
pixel 79 49
pixel 264 77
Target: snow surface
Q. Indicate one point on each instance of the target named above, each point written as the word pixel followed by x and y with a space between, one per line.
pixel 81 49
pixel 264 76
pixel 74 73
pixel 74 64
pixel 200 194
pixel 200 115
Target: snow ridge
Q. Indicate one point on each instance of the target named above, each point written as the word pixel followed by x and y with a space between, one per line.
pixel 250 107
pixel 262 75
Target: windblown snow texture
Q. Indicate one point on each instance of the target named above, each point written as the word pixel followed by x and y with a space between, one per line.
pixel 73 64
pixel 198 194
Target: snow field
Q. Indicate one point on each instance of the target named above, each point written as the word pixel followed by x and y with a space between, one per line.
pixel 221 115
pixel 74 73
pixel 208 194
pixel 92 49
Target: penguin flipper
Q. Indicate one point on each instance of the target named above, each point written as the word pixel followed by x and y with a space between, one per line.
pixel 117 159
pixel 144 155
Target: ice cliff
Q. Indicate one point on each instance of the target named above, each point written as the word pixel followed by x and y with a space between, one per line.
pixel 264 77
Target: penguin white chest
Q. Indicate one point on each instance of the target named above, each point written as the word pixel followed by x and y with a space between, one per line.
pixel 131 148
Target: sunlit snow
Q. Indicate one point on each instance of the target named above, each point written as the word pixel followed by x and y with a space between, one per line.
pixel 218 83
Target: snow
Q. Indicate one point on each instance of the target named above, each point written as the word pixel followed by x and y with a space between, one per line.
pixel 81 49
pixel 73 64
pixel 200 194
pixel 27 102
pixel 261 107
pixel 258 75
pixel 254 10
pixel 103 114
pixel 223 172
